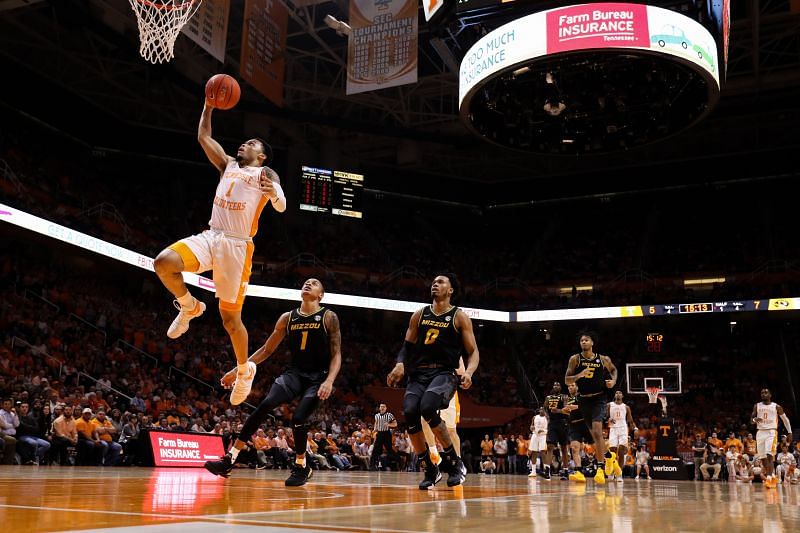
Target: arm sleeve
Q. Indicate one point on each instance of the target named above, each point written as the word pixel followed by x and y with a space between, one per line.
pixel 279 203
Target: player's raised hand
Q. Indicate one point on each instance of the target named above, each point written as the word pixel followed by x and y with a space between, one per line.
pixel 228 379
pixel 609 383
pixel 397 373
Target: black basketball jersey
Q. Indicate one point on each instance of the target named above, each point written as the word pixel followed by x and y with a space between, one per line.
pixel 438 340
pixel 575 416
pixel 555 401
pixel 593 382
pixel 308 341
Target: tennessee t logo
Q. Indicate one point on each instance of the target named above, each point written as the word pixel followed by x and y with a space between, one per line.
pixel 665 430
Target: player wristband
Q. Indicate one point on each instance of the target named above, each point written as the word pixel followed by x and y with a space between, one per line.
pixel 405 350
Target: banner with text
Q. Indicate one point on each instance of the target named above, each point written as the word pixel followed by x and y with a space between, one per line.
pixel 264 47
pixel 597 26
pixel 382 49
pixel 601 26
pixel 184 449
pixel 209 27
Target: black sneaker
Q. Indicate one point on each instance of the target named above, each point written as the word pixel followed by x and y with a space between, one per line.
pixel 299 476
pixel 432 477
pixel 222 467
pixel 458 473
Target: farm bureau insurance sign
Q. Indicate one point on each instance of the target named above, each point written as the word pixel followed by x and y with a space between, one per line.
pixel 184 449
pixel 587 26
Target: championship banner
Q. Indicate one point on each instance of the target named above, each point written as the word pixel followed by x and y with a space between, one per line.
pixel 382 49
pixel 209 27
pixel 264 47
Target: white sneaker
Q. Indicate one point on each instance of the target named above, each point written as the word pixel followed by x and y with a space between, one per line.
pixel 243 384
pixel 180 325
pixel 619 479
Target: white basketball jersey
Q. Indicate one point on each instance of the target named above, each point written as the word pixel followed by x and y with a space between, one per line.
pixel 618 412
pixel 238 201
pixel 539 424
pixel 768 415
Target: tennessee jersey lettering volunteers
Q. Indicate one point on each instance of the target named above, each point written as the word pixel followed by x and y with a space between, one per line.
pixel 238 201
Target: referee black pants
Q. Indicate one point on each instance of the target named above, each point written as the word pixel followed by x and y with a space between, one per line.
pixel 383 439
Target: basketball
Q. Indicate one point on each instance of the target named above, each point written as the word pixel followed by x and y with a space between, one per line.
pixel 222 92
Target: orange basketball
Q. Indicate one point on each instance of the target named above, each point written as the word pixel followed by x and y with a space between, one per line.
pixel 222 92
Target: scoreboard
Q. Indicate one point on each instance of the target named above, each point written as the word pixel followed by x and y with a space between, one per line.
pixel 331 191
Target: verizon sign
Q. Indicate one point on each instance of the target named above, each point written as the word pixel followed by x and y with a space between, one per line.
pixel 597 26
pixel 184 449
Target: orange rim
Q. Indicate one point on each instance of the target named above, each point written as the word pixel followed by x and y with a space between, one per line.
pixel 166 7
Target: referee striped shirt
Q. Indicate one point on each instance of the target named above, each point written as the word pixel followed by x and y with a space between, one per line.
pixel 382 421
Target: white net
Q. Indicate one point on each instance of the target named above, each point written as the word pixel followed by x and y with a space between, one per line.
pixel 160 22
pixel 652 393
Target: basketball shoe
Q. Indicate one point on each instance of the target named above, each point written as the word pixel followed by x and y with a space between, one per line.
pixel 432 476
pixel 577 476
pixel 611 463
pixel 457 471
pixel 600 477
pixel 221 468
pixel 180 325
pixel 243 384
pixel 299 476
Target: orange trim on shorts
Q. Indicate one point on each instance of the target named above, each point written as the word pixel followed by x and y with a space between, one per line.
pixel 261 204
pixel 246 271
pixel 190 262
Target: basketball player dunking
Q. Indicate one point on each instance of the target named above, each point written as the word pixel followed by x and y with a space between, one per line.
pixel 315 342
pixel 586 369
pixel 765 416
pixel 244 188
pixel 619 416
pixel 430 355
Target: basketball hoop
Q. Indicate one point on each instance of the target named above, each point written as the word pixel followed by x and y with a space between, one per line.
pixel 160 22
pixel 652 393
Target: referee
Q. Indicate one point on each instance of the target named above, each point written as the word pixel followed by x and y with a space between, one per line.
pixel 384 423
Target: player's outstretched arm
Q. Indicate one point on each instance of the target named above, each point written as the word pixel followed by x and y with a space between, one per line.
pixel 464 324
pixel 263 353
pixel 214 151
pixel 397 373
pixel 335 336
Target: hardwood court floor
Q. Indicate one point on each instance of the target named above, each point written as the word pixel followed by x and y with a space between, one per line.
pixel 34 499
